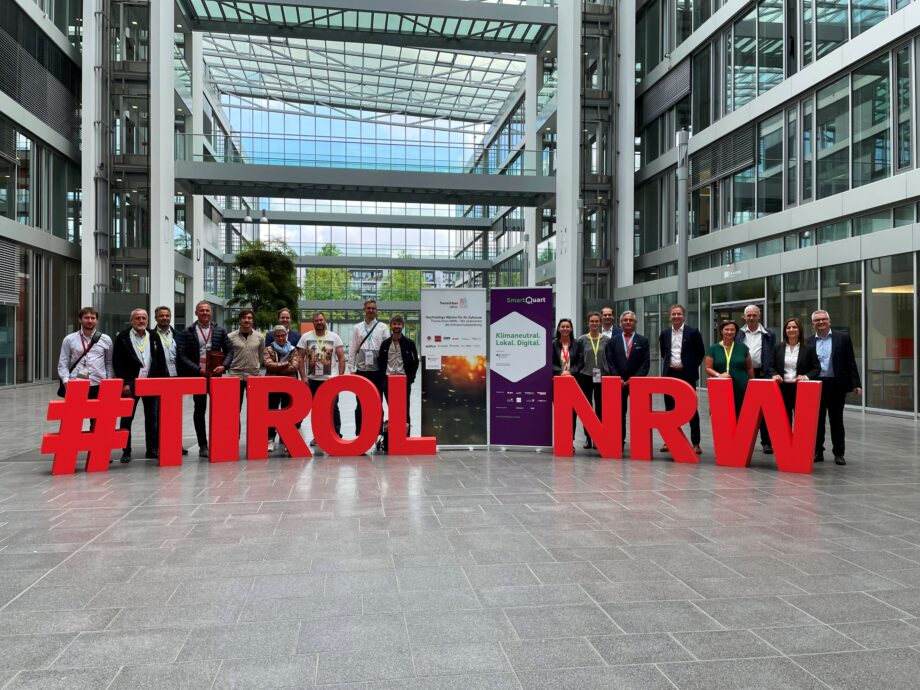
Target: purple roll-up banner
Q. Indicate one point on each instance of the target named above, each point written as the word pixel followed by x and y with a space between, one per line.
pixel 521 367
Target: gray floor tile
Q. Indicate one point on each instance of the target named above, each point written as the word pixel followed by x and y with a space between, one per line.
pixel 300 608
pixel 620 677
pixel 720 588
pixel 775 673
pixel 850 582
pixel 446 578
pixel 652 590
pixel 453 627
pixel 555 653
pixel 31 651
pixel 131 595
pixel 755 612
pixel 454 659
pixel 54 598
pixel 188 676
pixel 363 664
pixel 880 634
pixel 509 575
pixel 892 669
pixel 725 644
pixel 660 616
pixel 215 591
pixel 907 600
pixel 537 595
pixel 638 570
pixel 810 639
pixel 542 622
pixel 63 679
pixel 353 632
pixel 243 674
pixel 640 648
pixel 122 647
pixel 174 616
pixel 38 622
pixel 241 641
pixel 490 681
pixel 420 600
pixel 849 607
pixel 565 573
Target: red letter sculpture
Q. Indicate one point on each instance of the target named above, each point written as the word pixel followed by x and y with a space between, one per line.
pixel 734 441
pixel 224 430
pixel 260 418
pixel 372 415
pixel 567 396
pixel 171 391
pixel 399 441
pixel 642 420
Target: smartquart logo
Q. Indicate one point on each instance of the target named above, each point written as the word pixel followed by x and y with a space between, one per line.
pixel 527 300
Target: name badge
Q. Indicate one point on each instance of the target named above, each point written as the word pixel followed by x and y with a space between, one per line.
pixel 318 369
pixel 369 357
pixel 596 375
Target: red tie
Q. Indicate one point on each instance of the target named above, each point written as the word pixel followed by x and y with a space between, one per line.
pixel 629 346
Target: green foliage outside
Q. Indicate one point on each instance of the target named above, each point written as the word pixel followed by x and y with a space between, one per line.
pixel 267 282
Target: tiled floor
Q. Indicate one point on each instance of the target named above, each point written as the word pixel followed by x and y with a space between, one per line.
pixel 468 570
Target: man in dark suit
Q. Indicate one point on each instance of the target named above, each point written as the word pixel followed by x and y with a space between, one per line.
pixel 133 354
pixel 198 339
pixel 165 357
pixel 839 376
pixel 628 355
pixel 682 353
pixel 760 342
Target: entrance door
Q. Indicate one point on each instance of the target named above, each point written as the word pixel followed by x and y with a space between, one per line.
pixel 733 311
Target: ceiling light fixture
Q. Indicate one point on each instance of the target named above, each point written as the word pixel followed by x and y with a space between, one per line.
pixel 264 218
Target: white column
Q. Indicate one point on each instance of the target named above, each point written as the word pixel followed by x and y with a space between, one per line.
pixel 625 128
pixel 195 292
pixel 531 144
pixel 89 155
pixel 162 155
pixel 568 164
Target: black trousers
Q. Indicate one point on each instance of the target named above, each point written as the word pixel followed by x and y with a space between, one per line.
pixel 373 377
pixel 275 402
pixel 624 403
pixel 833 398
pixel 764 432
pixel 151 418
pixel 199 412
pixel 592 391
pixel 788 390
pixel 386 395
pixel 695 435
pixel 336 415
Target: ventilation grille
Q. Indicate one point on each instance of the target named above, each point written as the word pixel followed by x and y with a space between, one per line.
pixel 666 92
pixel 726 156
pixel 9 270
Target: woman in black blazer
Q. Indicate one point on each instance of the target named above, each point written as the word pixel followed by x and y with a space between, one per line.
pixel 794 360
pixel 566 356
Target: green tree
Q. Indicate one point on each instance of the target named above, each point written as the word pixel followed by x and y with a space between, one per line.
pixel 267 282
pixel 402 284
pixel 324 282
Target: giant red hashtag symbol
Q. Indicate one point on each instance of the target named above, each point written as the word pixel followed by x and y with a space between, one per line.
pixel 100 440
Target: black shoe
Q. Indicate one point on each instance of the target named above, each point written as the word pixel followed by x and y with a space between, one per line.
pixel 819 457
pixel 125 458
pixel 152 454
pixel 185 451
pixel 768 449
pixel 839 460
pixel 588 444
pixel 203 452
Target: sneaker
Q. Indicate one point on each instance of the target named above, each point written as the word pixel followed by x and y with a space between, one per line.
pixel 271 446
pixel 203 452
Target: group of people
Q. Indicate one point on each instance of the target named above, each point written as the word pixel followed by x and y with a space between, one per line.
pixel 207 349
pixel 750 351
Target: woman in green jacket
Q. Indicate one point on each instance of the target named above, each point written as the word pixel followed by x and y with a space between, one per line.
pixel 728 359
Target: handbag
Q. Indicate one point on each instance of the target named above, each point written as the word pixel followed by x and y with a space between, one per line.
pixel 61 391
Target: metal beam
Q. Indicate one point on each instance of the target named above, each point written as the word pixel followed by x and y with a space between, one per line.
pixel 421 263
pixel 242 179
pixel 366 220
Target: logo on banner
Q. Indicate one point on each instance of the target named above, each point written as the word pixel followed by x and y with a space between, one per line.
pixel 518 347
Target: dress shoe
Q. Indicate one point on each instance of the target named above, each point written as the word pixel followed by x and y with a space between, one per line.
pixel 697 449
pixel 312 441
pixel 839 460
pixel 152 454
pixel 664 449
pixel 125 458
pixel 768 449
pixel 203 452
pixel 588 444
pixel 185 451
pixel 819 457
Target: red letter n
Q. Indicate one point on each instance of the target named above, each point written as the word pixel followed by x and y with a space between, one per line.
pixel 606 434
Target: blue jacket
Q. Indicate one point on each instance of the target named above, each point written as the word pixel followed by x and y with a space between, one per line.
pixel 638 362
pixel 692 352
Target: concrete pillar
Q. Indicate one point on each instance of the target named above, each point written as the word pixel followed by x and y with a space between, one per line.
pixel 568 165
pixel 89 157
pixel 195 291
pixel 162 155
pixel 625 128
pixel 532 145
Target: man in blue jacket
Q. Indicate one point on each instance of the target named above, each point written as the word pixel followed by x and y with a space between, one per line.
pixel 760 342
pixel 682 352
pixel 628 355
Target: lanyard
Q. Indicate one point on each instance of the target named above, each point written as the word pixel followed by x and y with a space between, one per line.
pixel 206 338
pixel 595 346
pixel 565 352
pixel 627 344
pixel 368 330
pixel 167 339
pixel 141 345
pixel 86 344
pixel 728 355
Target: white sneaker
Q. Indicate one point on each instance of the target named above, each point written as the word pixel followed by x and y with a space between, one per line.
pixel 271 446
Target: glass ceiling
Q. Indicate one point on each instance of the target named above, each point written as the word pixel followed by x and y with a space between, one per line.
pixel 385 78
pixel 458 25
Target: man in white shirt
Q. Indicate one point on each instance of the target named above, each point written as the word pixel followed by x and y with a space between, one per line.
pixel 608 325
pixel 760 343
pixel 682 352
pixel 323 358
pixel 134 352
pixel 165 357
pixel 366 339
pixel 81 358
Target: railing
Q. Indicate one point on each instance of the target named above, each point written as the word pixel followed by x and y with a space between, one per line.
pixel 358 154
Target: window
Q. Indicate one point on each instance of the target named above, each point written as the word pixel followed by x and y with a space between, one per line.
pixel 743 196
pixel 745 72
pixel 841 296
pixel 890 333
pixel 833 138
pixel 833 232
pixel 770 33
pixel 831 23
pixel 873 222
pixel 807 148
pixel 702 90
pixel 902 75
pixel 792 142
pixel 800 294
pixel 770 166
pixel 871 122
pixel 903 215
pixel 864 14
